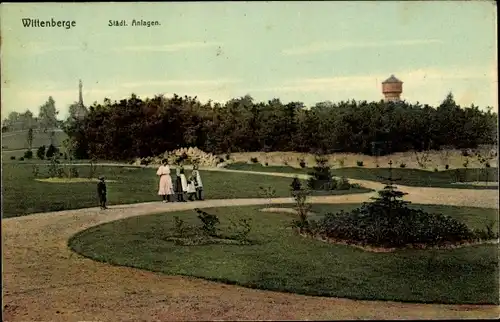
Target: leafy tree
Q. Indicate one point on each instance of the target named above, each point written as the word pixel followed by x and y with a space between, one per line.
pixel 40 153
pixel 135 127
pixel 30 138
pixel 28 154
pixel 48 114
pixel 51 151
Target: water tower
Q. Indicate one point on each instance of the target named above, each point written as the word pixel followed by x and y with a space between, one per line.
pixel 392 89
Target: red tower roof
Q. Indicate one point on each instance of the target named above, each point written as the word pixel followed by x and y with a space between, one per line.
pixel 392 79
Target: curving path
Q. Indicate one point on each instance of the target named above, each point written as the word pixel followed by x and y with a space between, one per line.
pixel 44 280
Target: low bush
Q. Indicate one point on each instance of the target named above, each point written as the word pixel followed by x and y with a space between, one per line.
pixel 359 163
pixel 241 229
pixel 389 222
pixel 51 152
pixel 40 152
pixel 254 160
pixel 447 167
pixel 402 165
pixel 28 154
pixel 21 159
pixel 209 222
pixel 73 172
pixel 302 163
pixel 12 157
pixel 296 184
pixel 35 170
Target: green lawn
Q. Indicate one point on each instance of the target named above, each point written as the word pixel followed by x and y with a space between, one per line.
pixel 279 260
pixel 18 140
pixel 409 177
pixel 22 194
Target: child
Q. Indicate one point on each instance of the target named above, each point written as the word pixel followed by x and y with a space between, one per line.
pixel 199 184
pixel 101 192
pixel 184 183
pixel 191 188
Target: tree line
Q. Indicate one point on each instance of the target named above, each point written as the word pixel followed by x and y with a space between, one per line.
pixel 46 119
pixel 134 127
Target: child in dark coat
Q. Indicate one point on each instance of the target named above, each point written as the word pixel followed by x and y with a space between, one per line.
pixel 101 192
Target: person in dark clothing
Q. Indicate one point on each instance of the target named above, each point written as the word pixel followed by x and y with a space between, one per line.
pixel 179 191
pixel 101 192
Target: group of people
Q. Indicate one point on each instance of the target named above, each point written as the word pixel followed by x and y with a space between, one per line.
pixel 186 188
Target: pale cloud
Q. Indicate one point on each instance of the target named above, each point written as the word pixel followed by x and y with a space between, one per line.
pixel 171 47
pixel 37 48
pixel 428 85
pixel 181 83
pixel 317 47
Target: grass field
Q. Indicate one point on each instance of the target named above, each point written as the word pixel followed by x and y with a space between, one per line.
pixel 280 260
pixel 409 177
pixel 12 141
pixel 22 194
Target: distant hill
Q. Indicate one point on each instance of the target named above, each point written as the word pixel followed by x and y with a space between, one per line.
pixel 18 140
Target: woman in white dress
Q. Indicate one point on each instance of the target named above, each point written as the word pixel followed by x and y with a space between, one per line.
pixel 166 188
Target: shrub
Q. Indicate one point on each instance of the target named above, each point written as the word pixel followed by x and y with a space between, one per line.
pixel 40 153
pixel 342 184
pixel 266 164
pixel 54 168
pixel 51 151
pixel 302 207
pixel 35 170
pixel 296 184
pixel 93 168
pixel 447 167
pixel 436 170
pixel 302 163
pixel 73 172
pixel 221 160
pixel 486 234
pixel 359 163
pixel 228 156
pixel 28 154
pixel 209 222
pixel 321 176
pixel 466 163
pixel 389 222
pixel 254 160
pixel 487 165
pixel 241 229
pixel 21 159
pixel 465 153
pixel 267 192
pixel 180 228
pixel 402 165
pixel 12 157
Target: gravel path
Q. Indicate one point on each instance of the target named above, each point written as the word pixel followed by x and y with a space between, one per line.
pixel 44 280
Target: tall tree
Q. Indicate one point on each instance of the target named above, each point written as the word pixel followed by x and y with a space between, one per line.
pixel 48 114
pixel 30 138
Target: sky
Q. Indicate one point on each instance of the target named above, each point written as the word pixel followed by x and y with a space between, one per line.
pixel 295 51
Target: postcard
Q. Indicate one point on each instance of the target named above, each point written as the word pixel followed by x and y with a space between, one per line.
pixel 283 160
